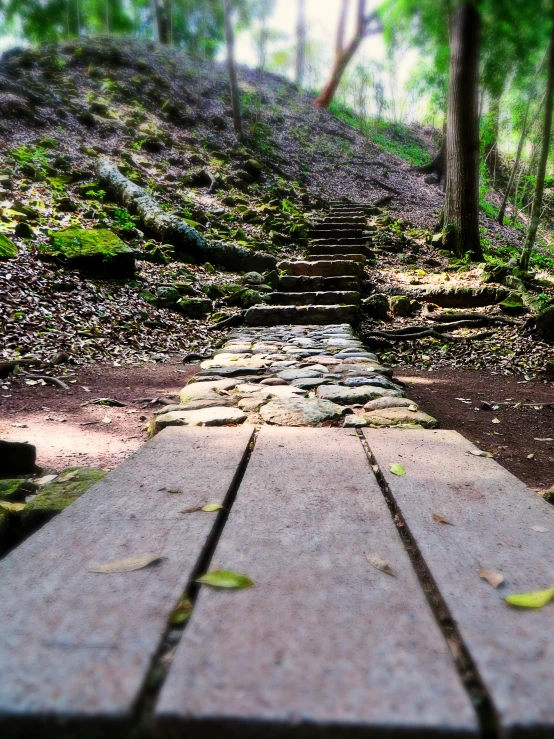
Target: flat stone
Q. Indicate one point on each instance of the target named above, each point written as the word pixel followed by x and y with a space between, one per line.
pixel 322 268
pixel 376 380
pixel 271 391
pixel 354 421
pixel 307 383
pixel 388 402
pixel 297 374
pixel 216 416
pixel 252 403
pixel 271 381
pixel 396 416
pixel 205 390
pixel 300 411
pixel 353 395
pixel 231 371
pixel 196 405
pixel 324 359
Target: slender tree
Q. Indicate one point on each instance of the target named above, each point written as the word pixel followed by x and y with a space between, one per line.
pixel 545 146
pixel 365 26
pixel 160 20
pixel 301 43
pixel 461 204
pixel 231 66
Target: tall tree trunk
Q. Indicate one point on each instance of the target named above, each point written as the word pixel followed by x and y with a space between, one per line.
pixel 491 153
pixel 545 146
pixel 301 43
pixel 461 204
pixel 524 131
pixel 233 81
pixel 343 54
pixel 160 20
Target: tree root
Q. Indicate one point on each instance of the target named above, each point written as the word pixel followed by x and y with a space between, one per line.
pixel 423 333
pixel 173 230
pixel 46 378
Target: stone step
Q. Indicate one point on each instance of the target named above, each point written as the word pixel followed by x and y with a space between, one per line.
pixel 343 233
pixel 333 249
pixel 344 297
pixel 291 283
pixel 495 519
pixel 274 315
pixel 322 268
pixel 336 240
pixel 324 645
pixel 77 645
pixel 340 221
pixel 355 257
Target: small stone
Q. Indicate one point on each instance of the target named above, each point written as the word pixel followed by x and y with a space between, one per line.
pixel 216 416
pixel 300 411
pixel 274 381
pixel 354 421
pixel 396 416
pixel 375 380
pixel 400 305
pixel 297 374
pixel 353 395
pixel 253 278
pixel 388 402
pixel 307 383
pixel 205 390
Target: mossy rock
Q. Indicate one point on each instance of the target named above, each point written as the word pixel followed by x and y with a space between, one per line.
pixel 245 298
pixel 545 324
pixel 513 304
pixel 168 296
pixel 95 250
pixel 194 307
pixel 15 491
pixel 8 250
pixel 59 494
pixel 400 305
pixel 5 528
pixel 272 279
pixel 213 291
pixel 149 297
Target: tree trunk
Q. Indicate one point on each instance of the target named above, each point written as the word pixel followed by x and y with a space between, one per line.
pixel 343 54
pixel 545 146
pixel 160 21
pixel 461 205
pixel 233 81
pixel 301 43
pixel 524 131
pixel 491 153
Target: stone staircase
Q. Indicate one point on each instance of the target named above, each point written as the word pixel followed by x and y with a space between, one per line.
pixel 323 286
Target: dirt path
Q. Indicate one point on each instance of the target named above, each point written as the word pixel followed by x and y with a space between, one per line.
pixel 67 433
pixel 442 394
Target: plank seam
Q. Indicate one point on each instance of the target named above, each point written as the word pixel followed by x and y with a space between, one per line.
pixel 172 636
pixel 465 666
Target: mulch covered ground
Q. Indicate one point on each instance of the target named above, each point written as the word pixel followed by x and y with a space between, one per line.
pixel 523 438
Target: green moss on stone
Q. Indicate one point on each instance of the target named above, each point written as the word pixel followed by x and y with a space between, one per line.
pixel 59 494
pixel 8 250
pixel 74 243
pixel 14 491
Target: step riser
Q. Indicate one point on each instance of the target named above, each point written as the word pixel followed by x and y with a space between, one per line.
pixel 335 240
pixel 333 249
pixel 323 233
pixel 301 315
pixel 316 298
pixel 355 257
pixel 318 284
pixel 328 268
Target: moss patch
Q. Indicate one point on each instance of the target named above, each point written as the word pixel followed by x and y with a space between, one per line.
pixel 14 491
pixel 95 249
pixel 8 250
pixel 59 494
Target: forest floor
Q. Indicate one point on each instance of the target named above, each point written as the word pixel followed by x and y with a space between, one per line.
pixel 165 119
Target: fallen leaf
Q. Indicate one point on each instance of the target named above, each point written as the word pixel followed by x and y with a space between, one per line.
pixel 182 612
pixel 212 507
pixel 547 438
pixel 175 491
pixel 226 579
pixel 194 509
pixel 127 565
pixel 495 420
pixel 379 563
pixel 106 419
pixel 536 599
pixel 413 407
pixel 493 578
pixel 441 519
pixel 539 529
pixel 479 453
pixel 12 507
pixel 397 469
pixel 530 456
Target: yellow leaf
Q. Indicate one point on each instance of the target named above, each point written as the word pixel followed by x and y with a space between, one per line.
pixel 441 519
pixel 127 565
pixel 226 579
pixel 536 599
pixel 211 507
pixel 379 563
pixel 493 578
pixel 479 453
pixel 182 612
pixel 397 469
pixel 495 420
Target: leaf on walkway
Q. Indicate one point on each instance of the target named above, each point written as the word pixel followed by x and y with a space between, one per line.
pixel 539 529
pixel 128 565
pixel 495 420
pixel 441 519
pixel 397 469
pixel 536 599
pixel 479 453
pixel 211 507
pixel 493 578
pixel 226 579
pixel 379 563
pixel 182 612
pixel 12 507
pixel 194 509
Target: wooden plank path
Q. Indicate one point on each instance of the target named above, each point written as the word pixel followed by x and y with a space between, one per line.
pixel 324 644
pixel 492 515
